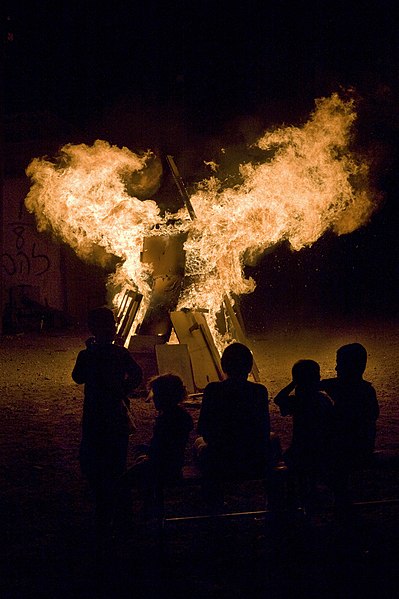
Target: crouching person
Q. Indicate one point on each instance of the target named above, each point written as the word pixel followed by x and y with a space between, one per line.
pixel 234 427
pixel 161 461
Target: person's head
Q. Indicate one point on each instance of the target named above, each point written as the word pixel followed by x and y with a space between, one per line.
pixel 237 360
pixel 306 373
pixel 351 361
pixel 101 323
pixel 166 391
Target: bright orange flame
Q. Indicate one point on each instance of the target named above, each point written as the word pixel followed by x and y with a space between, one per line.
pixel 309 182
pixel 83 199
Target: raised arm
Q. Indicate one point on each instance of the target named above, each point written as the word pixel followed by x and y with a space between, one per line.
pixel 284 399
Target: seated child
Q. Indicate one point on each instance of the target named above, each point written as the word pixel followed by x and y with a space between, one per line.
pixel 356 413
pixel 313 425
pixel 162 460
pixel 233 425
pixel 355 403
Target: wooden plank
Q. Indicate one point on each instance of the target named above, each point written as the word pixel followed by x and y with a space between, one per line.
pixel 175 358
pixel 122 307
pixel 238 333
pixel 191 329
pixel 127 314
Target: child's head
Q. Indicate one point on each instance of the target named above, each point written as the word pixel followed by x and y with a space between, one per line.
pixel 306 373
pixel 101 323
pixel 351 361
pixel 167 391
pixel 237 360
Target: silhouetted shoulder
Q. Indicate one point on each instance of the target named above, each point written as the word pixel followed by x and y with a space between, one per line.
pixel 213 387
pixel 325 398
pixel 329 384
pixel 335 387
pixel 257 386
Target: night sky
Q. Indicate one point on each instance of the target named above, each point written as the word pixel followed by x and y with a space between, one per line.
pixel 211 60
pixel 186 77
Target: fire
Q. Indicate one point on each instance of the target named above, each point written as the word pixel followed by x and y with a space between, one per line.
pixel 308 183
pixel 83 199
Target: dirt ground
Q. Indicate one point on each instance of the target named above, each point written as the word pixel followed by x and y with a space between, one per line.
pixel 46 512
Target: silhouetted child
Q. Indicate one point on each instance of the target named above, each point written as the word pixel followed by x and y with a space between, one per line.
pixel 309 454
pixel 109 374
pixel 234 426
pixel 161 461
pixel 356 411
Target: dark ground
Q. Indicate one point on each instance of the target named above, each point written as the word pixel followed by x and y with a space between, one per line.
pixel 48 549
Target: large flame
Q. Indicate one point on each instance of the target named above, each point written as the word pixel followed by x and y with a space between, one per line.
pixel 83 199
pixel 309 182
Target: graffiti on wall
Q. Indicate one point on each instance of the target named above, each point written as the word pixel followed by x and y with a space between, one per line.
pixel 29 258
pixel 23 258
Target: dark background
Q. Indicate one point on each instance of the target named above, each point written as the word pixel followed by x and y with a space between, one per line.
pixel 210 61
pixel 190 78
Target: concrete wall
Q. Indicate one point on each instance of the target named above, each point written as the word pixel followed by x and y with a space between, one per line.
pixel 29 258
pixel 36 267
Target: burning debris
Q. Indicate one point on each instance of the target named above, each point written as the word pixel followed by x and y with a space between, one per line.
pixel 103 196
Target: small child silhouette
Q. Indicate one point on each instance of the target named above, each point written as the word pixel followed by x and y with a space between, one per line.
pixel 161 461
pixel 356 413
pixel 308 456
pixel 355 402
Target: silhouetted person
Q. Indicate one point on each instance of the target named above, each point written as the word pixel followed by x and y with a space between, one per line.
pixel 356 411
pixel 161 461
pixel 109 374
pixel 234 426
pixel 309 454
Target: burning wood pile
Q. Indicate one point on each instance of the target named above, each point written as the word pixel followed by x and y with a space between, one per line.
pixel 181 273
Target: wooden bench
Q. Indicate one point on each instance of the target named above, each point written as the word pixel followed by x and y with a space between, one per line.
pixel 274 491
pixel 277 494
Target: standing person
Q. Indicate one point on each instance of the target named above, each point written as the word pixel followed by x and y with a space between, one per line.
pixel 309 454
pixel 234 426
pixel 109 374
pixel 356 412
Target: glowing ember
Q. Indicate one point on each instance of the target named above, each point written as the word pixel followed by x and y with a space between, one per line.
pixel 308 183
